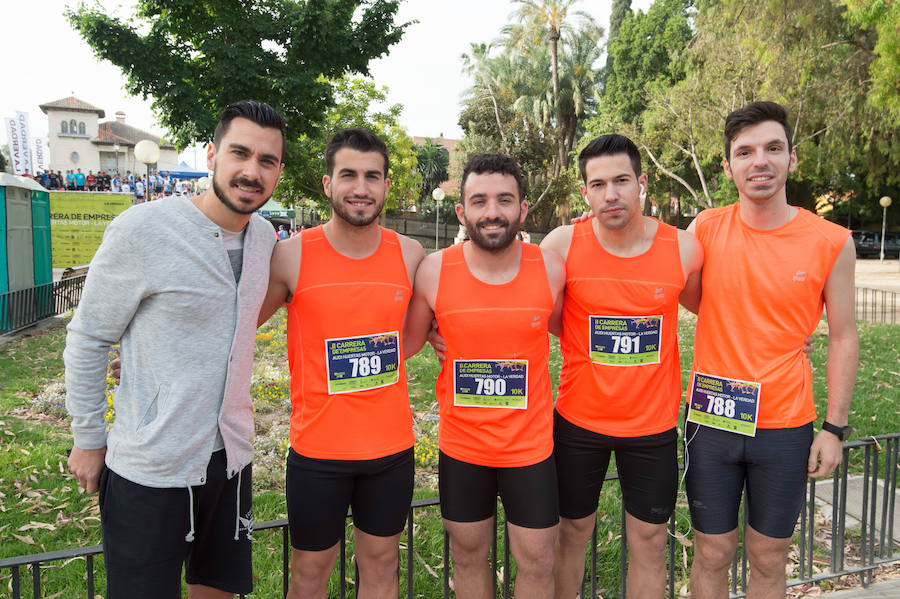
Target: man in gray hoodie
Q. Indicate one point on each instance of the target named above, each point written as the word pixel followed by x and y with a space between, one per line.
pixel 178 283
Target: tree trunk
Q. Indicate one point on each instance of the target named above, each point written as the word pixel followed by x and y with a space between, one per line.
pixel 554 61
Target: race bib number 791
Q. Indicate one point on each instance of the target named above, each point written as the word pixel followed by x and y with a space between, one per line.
pixel 625 340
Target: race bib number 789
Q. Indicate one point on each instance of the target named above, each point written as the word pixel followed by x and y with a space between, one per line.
pixel 362 363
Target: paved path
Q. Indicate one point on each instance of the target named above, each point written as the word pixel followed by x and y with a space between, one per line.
pixel 825 495
pixel 889 589
pixel 876 274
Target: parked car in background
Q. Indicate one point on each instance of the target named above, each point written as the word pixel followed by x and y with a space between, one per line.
pixel 868 244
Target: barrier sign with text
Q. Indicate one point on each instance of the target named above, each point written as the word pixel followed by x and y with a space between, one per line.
pixel 77 223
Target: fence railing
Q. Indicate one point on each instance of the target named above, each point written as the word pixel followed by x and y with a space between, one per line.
pixel 875 544
pixel 877 305
pixel 23 308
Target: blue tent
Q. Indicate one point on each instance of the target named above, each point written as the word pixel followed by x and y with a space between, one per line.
pixel 183 171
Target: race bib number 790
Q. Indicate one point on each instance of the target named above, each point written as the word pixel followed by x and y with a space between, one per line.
pixel 490 383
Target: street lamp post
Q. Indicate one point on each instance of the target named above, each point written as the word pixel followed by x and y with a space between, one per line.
pixel 438 195
pixel 147 152
pixel 885 201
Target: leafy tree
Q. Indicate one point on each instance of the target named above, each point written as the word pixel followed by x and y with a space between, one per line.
pixel 803 54
pixel 620 9
pixel 194 58
pixel 646 55
pixel 433 160
pixel 883 16
pixel 4 162
pixel 645 52
pixel 354 99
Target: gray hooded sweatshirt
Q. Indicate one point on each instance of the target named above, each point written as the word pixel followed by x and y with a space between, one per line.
pixel 161 284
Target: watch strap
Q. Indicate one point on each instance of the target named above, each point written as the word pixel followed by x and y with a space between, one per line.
pixel 841 432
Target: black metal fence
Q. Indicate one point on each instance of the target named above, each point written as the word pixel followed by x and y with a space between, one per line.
pixel 23 308
pixel 850 552
pixel 877 305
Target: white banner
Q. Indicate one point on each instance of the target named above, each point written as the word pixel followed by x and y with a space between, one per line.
pixel 25 140
pixel 15 146
pixel 41 154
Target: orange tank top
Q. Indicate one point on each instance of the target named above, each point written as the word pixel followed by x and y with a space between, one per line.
pixel 344 325
pixel 496 406
pixel 621 375
pixel 762 296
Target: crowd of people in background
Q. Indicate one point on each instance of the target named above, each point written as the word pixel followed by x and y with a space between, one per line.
pixel 160 184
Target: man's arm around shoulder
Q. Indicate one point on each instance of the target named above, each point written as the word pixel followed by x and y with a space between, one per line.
pixel 283 272
pixel 556 277
pixel 692 265
pixel 420 313
pixel 843 359
pixel 559 240
pixel 413 254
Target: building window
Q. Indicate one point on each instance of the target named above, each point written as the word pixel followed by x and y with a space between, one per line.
pixel 73 127
pixel 81 128
pixel 64 127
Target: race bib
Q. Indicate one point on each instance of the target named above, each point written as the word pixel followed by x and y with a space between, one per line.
pixel 723 403
pixel 361 363
pixel 490 383
pixel 625 340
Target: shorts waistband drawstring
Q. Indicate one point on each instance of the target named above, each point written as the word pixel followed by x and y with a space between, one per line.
pixel 237 512
pixel 189 537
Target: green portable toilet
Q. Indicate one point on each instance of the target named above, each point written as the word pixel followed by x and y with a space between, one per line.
pixel 25 260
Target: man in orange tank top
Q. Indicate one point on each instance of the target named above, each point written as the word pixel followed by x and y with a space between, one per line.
pixel 494 299
pixel 620 386
pixel 769 269
pixel 347 286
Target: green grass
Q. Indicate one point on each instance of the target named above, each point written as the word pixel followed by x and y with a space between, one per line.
pixel 42 509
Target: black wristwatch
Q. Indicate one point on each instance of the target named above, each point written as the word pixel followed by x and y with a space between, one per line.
pixel 841 432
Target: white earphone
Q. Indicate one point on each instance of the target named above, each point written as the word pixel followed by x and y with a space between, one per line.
pixel 643 190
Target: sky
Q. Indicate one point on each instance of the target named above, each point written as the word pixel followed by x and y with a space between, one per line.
pixel 423 72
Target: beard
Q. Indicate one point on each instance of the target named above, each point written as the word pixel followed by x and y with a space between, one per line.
pixel 357 220
pixel 492 244
pixel 239 208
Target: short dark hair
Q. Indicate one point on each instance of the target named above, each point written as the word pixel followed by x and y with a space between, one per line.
pixel 355 138
pixel 258 112
pixel 609 145
pixel 753 114
pixel 491 163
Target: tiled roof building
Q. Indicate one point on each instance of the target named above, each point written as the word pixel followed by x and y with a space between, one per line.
pixel 78 139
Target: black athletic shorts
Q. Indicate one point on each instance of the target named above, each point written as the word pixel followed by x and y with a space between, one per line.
pixel 145 529
pixel 318 493
pixel 469 492
pixel 647 467
pixel 773 464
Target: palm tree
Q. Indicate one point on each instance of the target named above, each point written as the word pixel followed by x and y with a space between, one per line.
pixel 551 20
pixel 485 72
pixel 433 162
